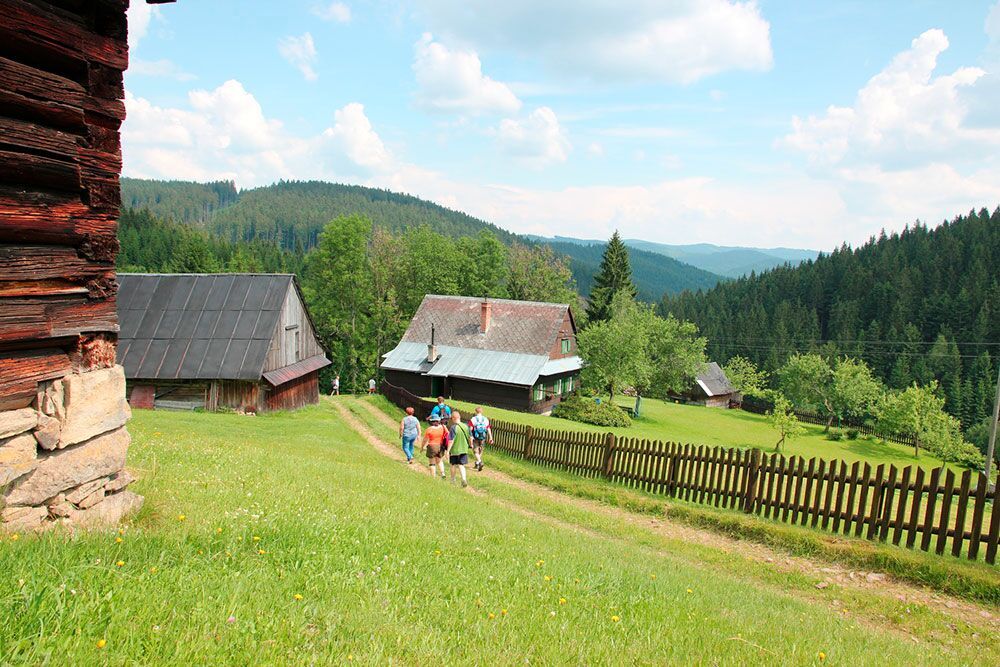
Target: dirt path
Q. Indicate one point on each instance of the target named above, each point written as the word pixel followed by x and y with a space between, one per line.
pixel 874 583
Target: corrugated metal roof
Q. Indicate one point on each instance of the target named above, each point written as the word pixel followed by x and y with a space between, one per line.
pixel 288 373
pixel 198 326
pixel 564 365
pixel 488 365
pixel 713 381
pixel 407 357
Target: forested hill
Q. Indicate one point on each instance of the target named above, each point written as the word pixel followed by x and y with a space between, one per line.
pixel 917 306
pixel 291 214
pixel 653 274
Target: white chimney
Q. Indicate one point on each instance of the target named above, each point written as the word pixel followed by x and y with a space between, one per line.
pixel 432 351
pixel 485 315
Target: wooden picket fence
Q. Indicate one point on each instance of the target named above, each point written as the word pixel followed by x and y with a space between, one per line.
pixel 936 509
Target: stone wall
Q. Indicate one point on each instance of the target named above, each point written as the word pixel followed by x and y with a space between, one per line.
pixel 62 459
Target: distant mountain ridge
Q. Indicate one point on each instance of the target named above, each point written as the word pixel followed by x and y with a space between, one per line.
pixel 727 261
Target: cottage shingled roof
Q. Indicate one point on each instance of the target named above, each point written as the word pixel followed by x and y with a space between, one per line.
pixel 714 382
pixel 198 326
pixel 521 327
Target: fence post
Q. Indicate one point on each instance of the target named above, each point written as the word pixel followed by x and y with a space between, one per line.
pixel 529 436
pixel 752 474
pixel 674 463
pixel 609 454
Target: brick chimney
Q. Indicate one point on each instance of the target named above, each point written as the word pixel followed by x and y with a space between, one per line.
pixel 485 315
pixel 432 351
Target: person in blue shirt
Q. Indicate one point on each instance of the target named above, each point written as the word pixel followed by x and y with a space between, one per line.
pixel 441 411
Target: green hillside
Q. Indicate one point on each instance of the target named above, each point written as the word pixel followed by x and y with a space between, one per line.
pixel 291 215
pixel 654 275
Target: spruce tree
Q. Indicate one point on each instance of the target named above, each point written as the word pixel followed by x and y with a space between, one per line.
pixel 614 277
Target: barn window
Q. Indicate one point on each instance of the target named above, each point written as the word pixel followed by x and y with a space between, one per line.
pixel 298 354
pixel 565 345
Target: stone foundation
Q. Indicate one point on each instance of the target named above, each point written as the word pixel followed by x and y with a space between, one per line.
pixel 62 460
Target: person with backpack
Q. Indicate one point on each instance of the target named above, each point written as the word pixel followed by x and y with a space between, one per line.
pixel 459 443
pixel 442 411
pixel 434 444
pixel 409 431
pixel 482 433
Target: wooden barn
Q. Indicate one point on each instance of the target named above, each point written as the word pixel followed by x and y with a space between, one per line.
pixel 519 355
pixel 62 408
pixel 238 341
pixel 711 388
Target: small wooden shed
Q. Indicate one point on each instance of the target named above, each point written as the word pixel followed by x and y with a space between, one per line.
pixel 711 388
pixel 239 341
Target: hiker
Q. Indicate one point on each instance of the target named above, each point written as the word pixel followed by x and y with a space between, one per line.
pixel 371 386
pixel 434 444
pixel 459 443
pixel 409 431
pixel 442 411
pixel 482 433
pixel 336 386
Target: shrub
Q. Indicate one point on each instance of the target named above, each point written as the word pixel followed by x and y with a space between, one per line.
pixel 835 434
pixel 852 433
pixel 589 411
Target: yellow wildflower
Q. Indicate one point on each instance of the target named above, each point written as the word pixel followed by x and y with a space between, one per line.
pixel 101 643
pixel 261 552
pixel 690 591
pixel 181 517
pixel 562 600
pixel 256 538
pixel 153 570
pixel 822 656
pixel 120 563
pixel 297 596
pixel 652 576
pixel 548 578
pixel 218 531
pixel 503 612
pixel 118 540
pixel 491 615
pixel 615 619
pixel 15 537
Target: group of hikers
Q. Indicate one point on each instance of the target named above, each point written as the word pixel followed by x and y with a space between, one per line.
pixel 448 436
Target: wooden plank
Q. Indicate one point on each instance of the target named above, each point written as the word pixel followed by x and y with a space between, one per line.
pixel 831 475
pixel 874 512
pixel 888 494
pixel 26 137
pixel 904 490
pixel 866 482
pixel 789 484
pixel 35 170
pixel 839 504
pixel 817 498
pixel 918 496
pixel 30 93
pixel 932 493
pixel 55 317
pixel 775 471
pixel 27 263
pixel 982 484
pixel 853 481
pixel 945 518
pixel 806 495
pixel 994 534
pixel 801 480
pixel 963 503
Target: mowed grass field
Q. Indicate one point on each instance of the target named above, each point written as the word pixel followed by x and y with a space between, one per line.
pixel 287 539
pixel 697 425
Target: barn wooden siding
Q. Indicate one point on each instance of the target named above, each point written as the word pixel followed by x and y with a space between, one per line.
pixel 295 394
pixel 295 339
pixel 60 111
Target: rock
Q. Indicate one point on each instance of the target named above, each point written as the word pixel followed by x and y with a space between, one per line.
pixel 821 585
pixel 91 500
pixel 18 457
pixel 51 400
pixel 58 499
pixel 68 468
pixel 873 577
pixel 119 482
pixel 84 490
pixel 15 422
pixel 60 510
pixel 95 403
pixel 110 511
pixel 23 518
pixel 48 431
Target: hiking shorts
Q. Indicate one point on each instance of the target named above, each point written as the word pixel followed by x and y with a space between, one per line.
pixel 433 453
pixel 479 444
pixel 459 459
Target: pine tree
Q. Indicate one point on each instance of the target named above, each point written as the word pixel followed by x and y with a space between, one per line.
pixel 614 277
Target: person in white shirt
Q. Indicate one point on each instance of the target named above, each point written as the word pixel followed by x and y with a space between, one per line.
pixel 371 386
pixel 482 433
pixel 336 386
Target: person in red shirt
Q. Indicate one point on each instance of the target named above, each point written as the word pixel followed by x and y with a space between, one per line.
pixel 434 444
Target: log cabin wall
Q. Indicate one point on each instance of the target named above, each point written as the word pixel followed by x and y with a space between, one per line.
pixel 62 399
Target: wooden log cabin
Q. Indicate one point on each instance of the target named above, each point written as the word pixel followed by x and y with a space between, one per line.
pixel 218 341
pixel 61 394
pixel 518 355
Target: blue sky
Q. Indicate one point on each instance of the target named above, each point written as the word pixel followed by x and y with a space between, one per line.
pixel 756 123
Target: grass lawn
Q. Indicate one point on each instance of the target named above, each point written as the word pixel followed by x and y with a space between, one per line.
pixel 286 539
pixel 662 420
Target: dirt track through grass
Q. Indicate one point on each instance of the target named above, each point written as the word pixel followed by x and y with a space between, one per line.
pixel 827 574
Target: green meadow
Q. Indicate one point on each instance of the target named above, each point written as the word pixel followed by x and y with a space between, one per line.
pixel 288 539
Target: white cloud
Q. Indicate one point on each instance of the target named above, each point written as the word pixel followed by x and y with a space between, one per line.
pixel 453 81
pixel 537 139
pixel 159 68
pixel 300 52
pixel 335 11
pixel 140 15
pixel 596 149
pixel 904 115
pixel 225 134
pixel 604 40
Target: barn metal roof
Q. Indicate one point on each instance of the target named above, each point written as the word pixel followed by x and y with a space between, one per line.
pixel 713 381
pixel 294 371
pixel 198 326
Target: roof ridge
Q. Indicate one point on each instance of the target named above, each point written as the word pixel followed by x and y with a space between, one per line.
pixel 459 297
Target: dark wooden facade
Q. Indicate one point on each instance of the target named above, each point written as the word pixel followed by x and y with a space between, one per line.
pixel 61 108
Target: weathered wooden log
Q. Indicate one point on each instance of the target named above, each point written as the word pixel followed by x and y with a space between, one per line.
pixel 21 371
pixel 30 93
pixel 30 263
pixel 40 216
pixel 22 136
pixel 62 36
pixel 55 317
pixel 44 172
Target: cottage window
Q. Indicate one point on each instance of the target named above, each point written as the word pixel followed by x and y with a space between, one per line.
pixel 539 392
pixel 568 385
pixel 565 345
pixel 557 387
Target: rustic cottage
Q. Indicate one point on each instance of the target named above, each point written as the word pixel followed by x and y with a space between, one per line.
pixel 63 440
pixel 519 355
pixel 239 341
pixel 711 388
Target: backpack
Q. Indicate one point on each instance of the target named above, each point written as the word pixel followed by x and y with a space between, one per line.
pixel 479 427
